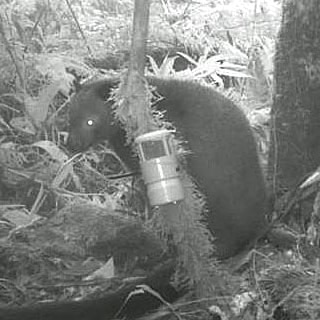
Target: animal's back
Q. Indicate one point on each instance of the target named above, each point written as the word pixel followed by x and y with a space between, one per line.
pixel 223 161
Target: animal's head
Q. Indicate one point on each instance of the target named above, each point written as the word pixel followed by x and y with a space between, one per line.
pixel 91 116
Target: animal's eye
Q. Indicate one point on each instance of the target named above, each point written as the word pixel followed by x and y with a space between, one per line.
pixel 90 122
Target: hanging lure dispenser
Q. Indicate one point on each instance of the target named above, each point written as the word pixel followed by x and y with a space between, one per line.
pixel 160 167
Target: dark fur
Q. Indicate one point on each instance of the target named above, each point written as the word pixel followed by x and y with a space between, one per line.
pixel 105 308
pixel 224 159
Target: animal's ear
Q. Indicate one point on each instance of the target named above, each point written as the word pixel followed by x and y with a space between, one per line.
pixel 104 88
pixel 100 88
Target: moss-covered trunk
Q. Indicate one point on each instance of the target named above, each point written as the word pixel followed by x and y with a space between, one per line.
pixel 295 147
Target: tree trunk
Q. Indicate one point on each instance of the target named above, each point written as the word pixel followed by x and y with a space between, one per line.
pixel 295 144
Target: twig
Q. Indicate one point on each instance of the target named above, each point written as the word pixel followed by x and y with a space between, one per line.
pixel 79 27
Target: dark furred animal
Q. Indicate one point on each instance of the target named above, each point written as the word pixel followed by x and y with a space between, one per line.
pixel 223 161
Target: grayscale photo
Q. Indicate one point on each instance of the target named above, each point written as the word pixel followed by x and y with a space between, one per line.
pixel 159 159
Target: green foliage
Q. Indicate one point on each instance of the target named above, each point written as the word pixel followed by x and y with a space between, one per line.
pixel 209 68
pixel 165 68
pixel 46 46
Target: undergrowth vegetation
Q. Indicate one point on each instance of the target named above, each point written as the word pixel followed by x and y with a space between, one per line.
pixel 49 47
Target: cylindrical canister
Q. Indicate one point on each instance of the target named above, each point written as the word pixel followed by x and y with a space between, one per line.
pixel 160 167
